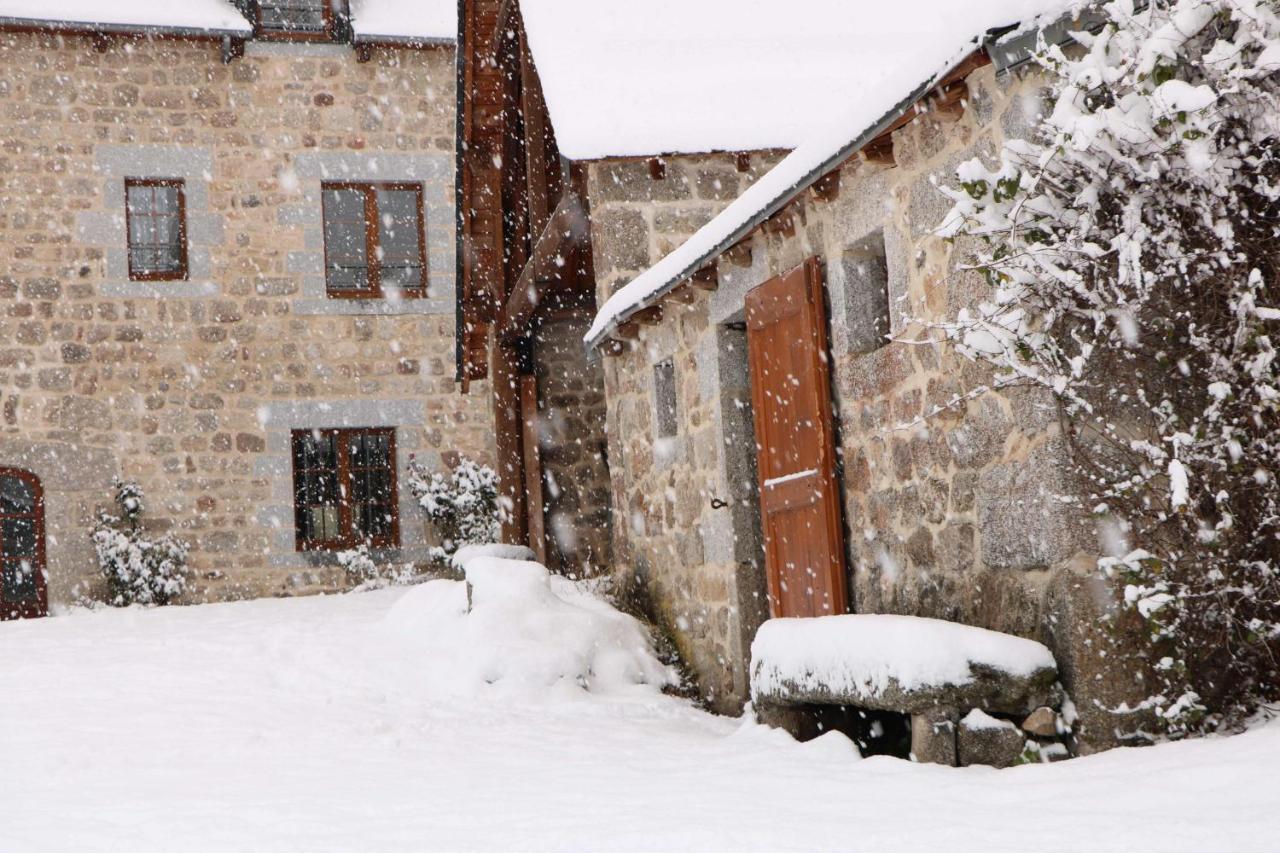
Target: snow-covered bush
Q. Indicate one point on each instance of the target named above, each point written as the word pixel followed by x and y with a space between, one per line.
pixel 138 569
pixel 462 505
pixel 357 563
pixel 1133 258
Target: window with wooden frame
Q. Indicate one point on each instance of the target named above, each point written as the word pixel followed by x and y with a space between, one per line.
pixel 344 489
pixel 295 20
pixel 373 240
pixel 156 223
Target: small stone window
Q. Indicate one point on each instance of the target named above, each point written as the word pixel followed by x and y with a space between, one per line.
pixel 296 20
pixel 156 222
pixel 664 395
pixel 344 489
pixel 866 284
pixel 373 240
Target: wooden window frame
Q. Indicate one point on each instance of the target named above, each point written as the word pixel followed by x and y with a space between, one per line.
pixel 349 538
pixel 183 271
pixel 325 35
pixel 371 237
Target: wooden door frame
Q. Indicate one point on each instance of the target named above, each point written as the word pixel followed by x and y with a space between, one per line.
pixel 41 605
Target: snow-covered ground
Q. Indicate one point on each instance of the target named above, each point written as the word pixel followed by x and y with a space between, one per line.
pixel 325 724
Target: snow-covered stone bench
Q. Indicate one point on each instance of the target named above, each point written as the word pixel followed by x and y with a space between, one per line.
pixel 936 671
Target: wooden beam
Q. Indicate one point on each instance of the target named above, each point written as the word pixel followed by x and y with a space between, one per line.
pixel 537 523
pixel 783 222
pixel 551 262
pixel 612 347
pixel 827 188
pixel 684 294
pixel 743 162
pixel 739 254
pixel 706 278
pixel 657 168
pixel 628 331
pixel 508 440
pixel 880 151
pixel 650 316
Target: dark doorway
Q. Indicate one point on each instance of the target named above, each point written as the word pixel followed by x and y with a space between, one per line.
pixel 22 558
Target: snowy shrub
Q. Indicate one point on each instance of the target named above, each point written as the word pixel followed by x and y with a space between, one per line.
pixel 358 564
pixel 1133 258
pixel 138 569
pixel 462 505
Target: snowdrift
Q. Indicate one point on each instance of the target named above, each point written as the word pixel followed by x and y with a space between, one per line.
pixel 512 629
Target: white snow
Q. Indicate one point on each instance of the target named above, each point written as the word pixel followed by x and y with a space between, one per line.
pixel 978 720
pixel 669 76
pixel 865 652
pixel 319 724
pixel 891 68
pixel 404 19
pixel 787 478
pixel 186 14
pixel 467 553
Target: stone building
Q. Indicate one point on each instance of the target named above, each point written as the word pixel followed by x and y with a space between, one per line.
pixel 726 271
pixel 826 454
pixel 227 272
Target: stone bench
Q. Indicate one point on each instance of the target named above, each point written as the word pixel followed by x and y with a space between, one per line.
pixel 948 677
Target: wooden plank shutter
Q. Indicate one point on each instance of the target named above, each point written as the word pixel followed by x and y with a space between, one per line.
pixel 791 396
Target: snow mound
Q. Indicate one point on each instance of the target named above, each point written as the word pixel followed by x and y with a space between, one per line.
pixel 467 553
pixel 979 720
pixel 509 629
pixel 869 655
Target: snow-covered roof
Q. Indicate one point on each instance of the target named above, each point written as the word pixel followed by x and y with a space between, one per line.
pixel 673 76
pixel 404 20
pixel 214 16
pixel 886 90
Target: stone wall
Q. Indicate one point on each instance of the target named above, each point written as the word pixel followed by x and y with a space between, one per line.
pixel 664 530
pixel 193 387
pixel 953 496
pixel 574 447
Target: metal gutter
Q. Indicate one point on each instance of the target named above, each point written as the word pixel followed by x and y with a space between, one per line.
pixel 90 28
pixel 402 41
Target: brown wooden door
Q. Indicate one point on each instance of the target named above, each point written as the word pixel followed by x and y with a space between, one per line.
pixel 22 558
pixel 791 396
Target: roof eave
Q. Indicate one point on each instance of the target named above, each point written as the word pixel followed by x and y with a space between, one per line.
pixel 778 203
pixel 376 40
pixel 54 27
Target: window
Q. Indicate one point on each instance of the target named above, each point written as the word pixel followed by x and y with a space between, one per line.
pixel 664 395
pixel 866 286
pixel 301 20
pixel 156 221
pixel 373 240
pixel 344 488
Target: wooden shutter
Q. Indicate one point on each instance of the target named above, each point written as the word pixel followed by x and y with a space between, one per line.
pixel 791 396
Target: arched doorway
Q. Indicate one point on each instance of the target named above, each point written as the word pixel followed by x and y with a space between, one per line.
pixel 22 559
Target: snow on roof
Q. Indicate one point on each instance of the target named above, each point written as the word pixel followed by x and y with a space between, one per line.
pixel 871 652
pixel 217 16
pixel 404 20
pixel 671 76
pixel 886 88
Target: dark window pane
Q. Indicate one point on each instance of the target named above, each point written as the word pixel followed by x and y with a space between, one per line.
pixel 293 15
pixel 346 240
pixel 154 229
pixel 19 582
pixel 18 537
pixel 17 496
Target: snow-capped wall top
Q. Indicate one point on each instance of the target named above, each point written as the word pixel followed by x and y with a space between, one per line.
pixel 401 20
pixel 670 76
pixel 217 16
pixel 884 91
